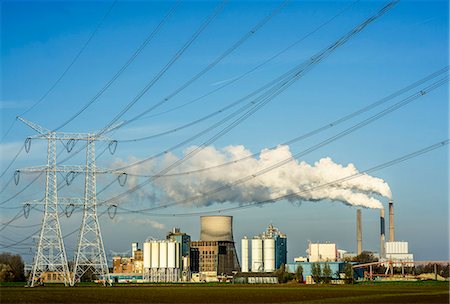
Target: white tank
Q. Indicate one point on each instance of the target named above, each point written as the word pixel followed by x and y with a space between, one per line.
pixel 155 255
pixel 171 254
pixel 147 255
pixel 257 255
pixel 216 228
pixel 244 255
pixel 163 255
pixel 178 255
pixel 269 255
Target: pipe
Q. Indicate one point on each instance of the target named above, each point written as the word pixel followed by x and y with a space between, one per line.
pixel 382 233
pixel 358 231
pixel 391 221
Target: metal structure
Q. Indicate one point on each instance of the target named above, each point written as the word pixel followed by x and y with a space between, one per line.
pixel 50 253
pixel 162 261
pixel 90 254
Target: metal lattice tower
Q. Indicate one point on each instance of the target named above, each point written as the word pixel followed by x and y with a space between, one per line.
pixel 50 254
pixel 90 252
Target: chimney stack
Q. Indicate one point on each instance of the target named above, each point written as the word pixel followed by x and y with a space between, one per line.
pixel 391 221
pixel 358 231
pixel 382 233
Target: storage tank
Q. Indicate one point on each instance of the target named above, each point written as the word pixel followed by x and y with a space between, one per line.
pixel 171 254
pixel 216 228
pixel 269 255
pixel 244 254
pixel 178 255
pixel 257 255
pixel 155 255
pixel 147 254
pixel 163 255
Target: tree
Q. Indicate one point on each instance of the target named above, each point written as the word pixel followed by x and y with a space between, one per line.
pixel 348 271
pixel 283 275
pixel 299 274
pixel 316 272
pixel 327 273
pixel 15 265
pixel 365 257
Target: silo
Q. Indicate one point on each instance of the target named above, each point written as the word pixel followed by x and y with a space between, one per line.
pixel 178 255
pixel 171 254
pixel 269 255
pixel 163 255
pixel 147 255
pixel 216 228
pixel 244 255
pixel 257 255
pixel 155 255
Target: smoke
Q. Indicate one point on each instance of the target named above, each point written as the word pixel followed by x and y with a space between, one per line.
pixel 300 179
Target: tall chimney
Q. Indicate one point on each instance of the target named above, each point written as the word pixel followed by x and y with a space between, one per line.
pixel 358 231
pixel 382 233
pixel 391 221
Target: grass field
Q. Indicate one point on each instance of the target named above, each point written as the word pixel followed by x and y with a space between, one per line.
pixel 414 292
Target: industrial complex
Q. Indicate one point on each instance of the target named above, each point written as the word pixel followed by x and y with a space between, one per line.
pixel 214 257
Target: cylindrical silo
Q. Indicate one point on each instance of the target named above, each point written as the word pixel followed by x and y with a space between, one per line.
pixel 269 255
pixel 147 255
pixel 171 254
pixel 178 255
pixel 257 255
pixel 155 255
pixel 216 228
pixel 244 254
pixel 163 255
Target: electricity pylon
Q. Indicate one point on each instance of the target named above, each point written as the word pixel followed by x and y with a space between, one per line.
pixel 90 252
pixel 50 254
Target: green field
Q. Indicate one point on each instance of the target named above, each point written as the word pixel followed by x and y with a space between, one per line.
pixel 420 292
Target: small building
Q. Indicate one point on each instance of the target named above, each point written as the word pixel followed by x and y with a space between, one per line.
pixel 322 252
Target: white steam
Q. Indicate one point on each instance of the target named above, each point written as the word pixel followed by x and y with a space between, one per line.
pixel 300 179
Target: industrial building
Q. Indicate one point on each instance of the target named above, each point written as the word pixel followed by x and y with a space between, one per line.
pixel 322 252
pixel 214 256
pixel 162 261
pixel 268 251
pixel 185 251
pixel 129 265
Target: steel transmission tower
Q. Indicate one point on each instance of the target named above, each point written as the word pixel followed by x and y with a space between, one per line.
pixel 50 254
pixel 90 252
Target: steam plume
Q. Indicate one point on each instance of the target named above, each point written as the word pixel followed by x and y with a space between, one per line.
pixel 290 178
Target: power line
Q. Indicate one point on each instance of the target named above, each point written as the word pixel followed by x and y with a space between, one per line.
pixel 325 127
pixel 227 52
pixel 273 88
pixel 148 39
pixel 180 52
pixel 322 25
pixel 66 70
pixel 341 134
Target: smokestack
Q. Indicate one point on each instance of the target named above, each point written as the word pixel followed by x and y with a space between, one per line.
pixel 358 231
pixel 382 233
pixel 391 221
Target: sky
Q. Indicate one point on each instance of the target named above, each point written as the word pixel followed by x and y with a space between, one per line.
pixel 57 55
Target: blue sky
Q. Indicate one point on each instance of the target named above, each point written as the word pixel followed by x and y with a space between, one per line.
pixel 40 39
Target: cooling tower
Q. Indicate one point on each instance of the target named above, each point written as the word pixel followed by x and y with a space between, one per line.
pixel 391 221
pixel 216 228
pixel 358 231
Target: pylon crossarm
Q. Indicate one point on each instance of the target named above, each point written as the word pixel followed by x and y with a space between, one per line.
pixel 62 168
